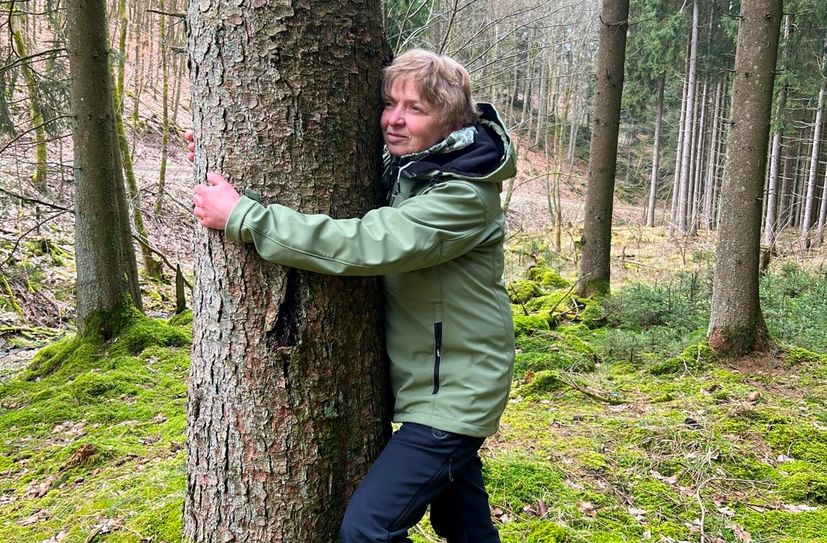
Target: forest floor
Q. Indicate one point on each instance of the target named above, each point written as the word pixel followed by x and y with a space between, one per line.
pixel 621 425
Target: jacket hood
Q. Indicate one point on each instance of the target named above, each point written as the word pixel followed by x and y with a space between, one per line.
pixel 482 152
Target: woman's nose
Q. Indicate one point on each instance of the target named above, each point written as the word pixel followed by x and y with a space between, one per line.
pixel 397 116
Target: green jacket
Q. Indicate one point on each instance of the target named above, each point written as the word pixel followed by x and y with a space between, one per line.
pixel 439 246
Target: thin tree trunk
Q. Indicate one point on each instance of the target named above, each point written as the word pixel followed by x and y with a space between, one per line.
pixel 822 212
pixel 771 222
pixel 697 162
pixel 164 50
pixel 35 106
pixel 286 405
pixel 689 136
pixel 736 325
pixel 653 178
pixel 152 266
pixel 809 199
pixel 676 179
pixel 595 265
pixel 712 160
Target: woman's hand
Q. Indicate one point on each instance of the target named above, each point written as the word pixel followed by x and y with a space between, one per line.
pixel 189 137
pixel 214 203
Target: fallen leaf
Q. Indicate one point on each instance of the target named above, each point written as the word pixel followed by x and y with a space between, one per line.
pixel 741 533
pixel 587 508
pixel 637 513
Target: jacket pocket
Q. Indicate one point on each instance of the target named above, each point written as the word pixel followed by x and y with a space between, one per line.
pixel 437 354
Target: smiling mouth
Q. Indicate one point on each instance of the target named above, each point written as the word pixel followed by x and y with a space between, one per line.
pixel 391 137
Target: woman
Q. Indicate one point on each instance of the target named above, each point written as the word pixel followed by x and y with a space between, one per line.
pixel 439 246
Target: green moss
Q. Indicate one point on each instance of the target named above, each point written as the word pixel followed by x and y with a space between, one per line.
pixel 548 302
pixel 183 318
pixel 800 440
pixel 530 324
pixel 542 382
pixel 516 481
pixel 594 461
pixel 693 358
pixel 545 531
pixel 796 356
pixel 552 279
pixel 521 291
pixel 593 314
pixel 801 482
pixel 786 527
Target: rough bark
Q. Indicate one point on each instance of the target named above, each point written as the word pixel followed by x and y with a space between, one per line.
pixel 287 408
pixel 595 265
pixel 736 325
pixel 104 255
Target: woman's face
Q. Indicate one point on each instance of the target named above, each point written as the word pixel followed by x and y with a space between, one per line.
pixel 409 123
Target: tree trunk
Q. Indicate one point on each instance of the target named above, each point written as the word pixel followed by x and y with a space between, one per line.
pixel 164 52
pixel 152 267
pixel 595 265
pixel 653 180
pixel 809 199
pixel 689 121
pixel 771 220
pixel 736 325
pixel 287 406
pixel 712 160
pixel 35 107
pixel 676 179
pixel 104 254
pixel 697 162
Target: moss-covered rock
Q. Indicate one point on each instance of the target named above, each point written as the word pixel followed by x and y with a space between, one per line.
pixel 183 318
pixel 548 302
pixel 593 315
pixel 530 324
pixel 521 291
pixel 542 382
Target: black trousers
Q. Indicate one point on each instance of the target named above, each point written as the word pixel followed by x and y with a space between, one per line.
pixel 421 466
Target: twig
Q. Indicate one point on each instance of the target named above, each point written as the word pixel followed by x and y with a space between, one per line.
pixel 36 201
pixel 32 129
pixel 519 299
pixel 29 231
pixel 564 296
pixel 177 14
pixel 593 395
pixel 145 242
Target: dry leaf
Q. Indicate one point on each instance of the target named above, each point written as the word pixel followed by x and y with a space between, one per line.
pixel 742 534
pixel 587 508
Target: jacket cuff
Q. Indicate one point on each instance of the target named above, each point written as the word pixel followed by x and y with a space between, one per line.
pixel 236 219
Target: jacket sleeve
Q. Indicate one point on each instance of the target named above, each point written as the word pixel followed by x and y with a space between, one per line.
pixel 444 222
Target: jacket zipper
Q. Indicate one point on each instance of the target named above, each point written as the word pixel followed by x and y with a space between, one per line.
pixel 437 354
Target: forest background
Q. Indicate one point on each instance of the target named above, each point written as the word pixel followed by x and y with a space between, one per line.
pixel 623 424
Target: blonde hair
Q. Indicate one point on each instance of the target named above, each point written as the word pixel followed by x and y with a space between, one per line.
pixel 440 80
